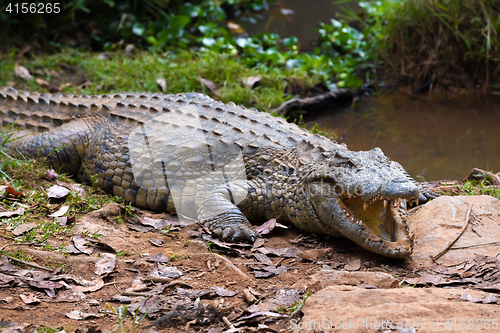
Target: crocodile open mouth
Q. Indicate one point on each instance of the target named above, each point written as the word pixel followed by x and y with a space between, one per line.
pixel 378 224
pixel 381 219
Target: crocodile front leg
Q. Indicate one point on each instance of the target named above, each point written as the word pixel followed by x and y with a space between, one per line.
pixel 219 213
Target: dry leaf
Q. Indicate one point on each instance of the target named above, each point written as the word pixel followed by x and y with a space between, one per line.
pixel 160 257
pixel 57 191
pixel 235 28
pixel 80 242
pixel 129 48
pixel 10 190
pixel 79 315
pixel 164 271
pixel 210 85
pixel 155 223
pixel 106 264
pixel 266 227
pixel 63 86
pixel 353 265
pixel 22 228
pixel 96 285
pixel 9 213
pixel 162 83
pixel 63 210
pixel 224 292
pixel 51 174
pixel 73 187
pixel 22 72
pixel 4 279
pixel 263 258
pixel 41 82
pixel 29 299
pixel 70 295
pixel 251 81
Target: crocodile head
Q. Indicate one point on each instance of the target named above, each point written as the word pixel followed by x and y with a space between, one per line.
pixel 362 195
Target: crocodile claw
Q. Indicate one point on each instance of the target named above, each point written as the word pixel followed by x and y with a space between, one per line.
pixel 231 227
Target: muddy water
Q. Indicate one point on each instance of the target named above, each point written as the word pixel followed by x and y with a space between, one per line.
pixel 436 140
pixel 302 22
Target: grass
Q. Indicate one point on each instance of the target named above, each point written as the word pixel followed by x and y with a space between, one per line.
pixel 25 176
pixel 139 72
pixel 479 188
pixel 121 315
pixel 426 41
pixel 295 308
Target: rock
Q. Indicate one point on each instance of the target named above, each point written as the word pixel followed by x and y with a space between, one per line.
pixel 375 310
pixel 328 277
pixel 437 223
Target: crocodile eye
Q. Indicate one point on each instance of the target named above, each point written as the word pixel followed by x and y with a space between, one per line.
pixel 347 164
pixel 342 163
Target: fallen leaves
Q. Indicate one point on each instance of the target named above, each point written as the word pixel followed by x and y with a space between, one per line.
pixel 23 228
pixel 60 212
pixel 29 299
pixel 106 264
pixel 251 81
pixel 42 83
pixel 80 244
pixel 57 192
pixel 211 86
pixel 79 315
pixel 9 190
pixel 22 72
pixel 9 213
pixel 162 83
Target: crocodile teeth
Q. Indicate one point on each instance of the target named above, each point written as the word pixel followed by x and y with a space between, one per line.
pixel 385 203
pixel 365 205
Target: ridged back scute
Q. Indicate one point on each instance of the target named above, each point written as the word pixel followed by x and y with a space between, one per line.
pixel 247 128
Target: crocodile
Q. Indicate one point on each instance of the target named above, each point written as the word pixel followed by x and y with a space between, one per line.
pixel 223 164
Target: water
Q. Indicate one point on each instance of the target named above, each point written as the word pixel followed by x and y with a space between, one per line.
pixel 433 139
pixel 303 23
pixel 436 140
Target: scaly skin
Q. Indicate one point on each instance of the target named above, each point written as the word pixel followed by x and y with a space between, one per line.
pixel 134 142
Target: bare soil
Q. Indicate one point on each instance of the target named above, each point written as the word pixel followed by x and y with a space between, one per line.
pixel 204 266
pixel 179 279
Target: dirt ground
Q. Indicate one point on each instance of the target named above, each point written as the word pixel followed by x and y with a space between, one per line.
pixel 219 274
pixel 179 279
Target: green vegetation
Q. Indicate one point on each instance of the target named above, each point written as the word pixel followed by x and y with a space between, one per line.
pixel 431 42
pixel 448 43
pixel 479 188
pixel 29 198
pixel 139 72
pixel 121 316
pixel 295 308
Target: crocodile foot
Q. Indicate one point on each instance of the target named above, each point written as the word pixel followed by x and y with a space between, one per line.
pixel 231 227
pixel 424 197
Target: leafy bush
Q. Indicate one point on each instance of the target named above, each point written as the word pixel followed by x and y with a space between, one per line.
pixel 429 41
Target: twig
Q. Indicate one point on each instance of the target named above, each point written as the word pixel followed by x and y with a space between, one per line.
pixel 475 245
pixel 29 264
pixel 3 247
pixel 227 322
pixel 466 223
pixel 227 261
pixel 117 288
pixel 133 293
